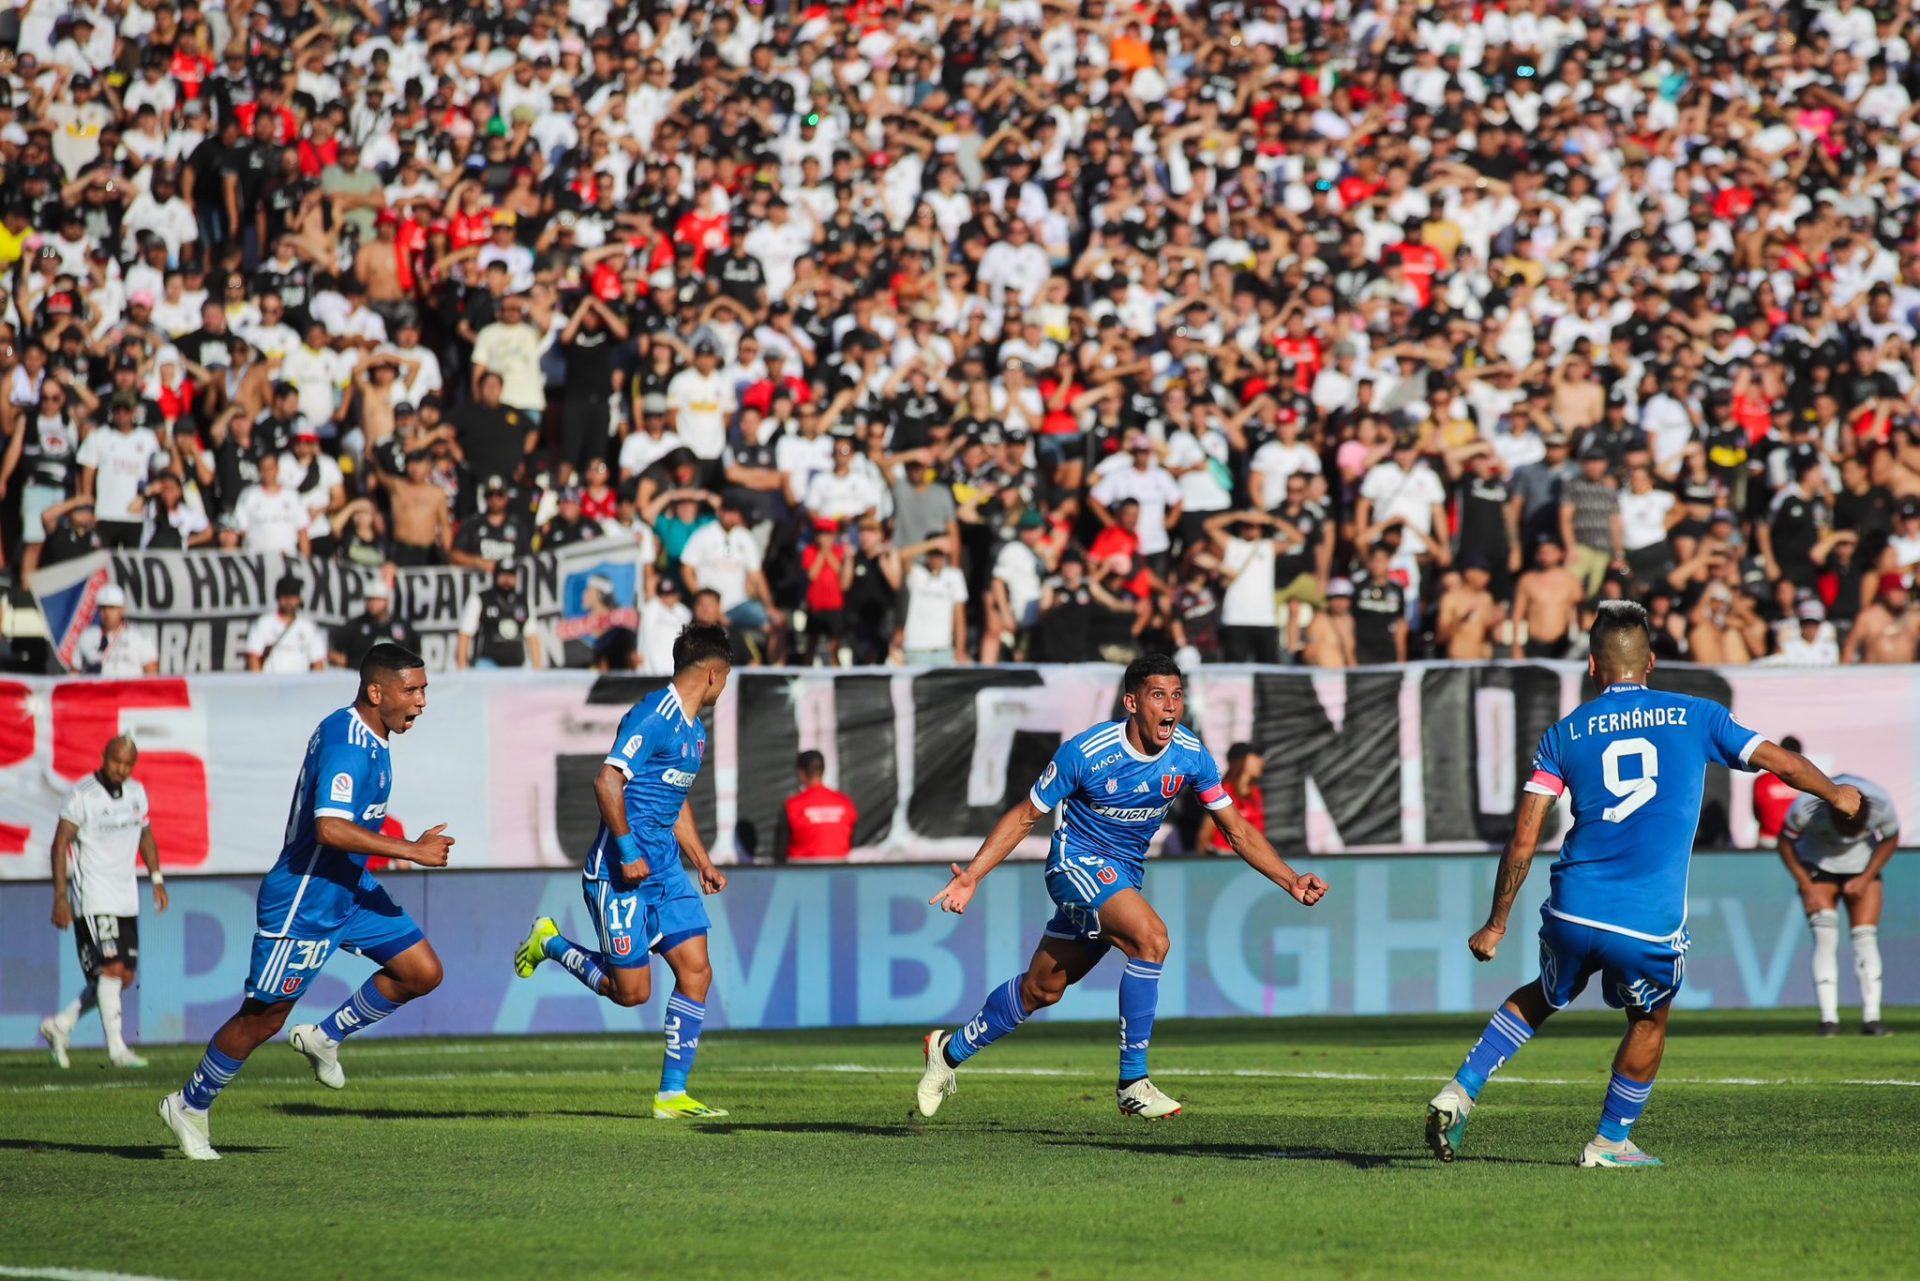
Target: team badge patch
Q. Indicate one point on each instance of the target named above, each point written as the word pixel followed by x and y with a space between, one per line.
pixel 1107 876
pixel 289 986
pixel 1049 774
pixel 341 789
pixel 1112 787
pixel 622 945
pixel 1170 784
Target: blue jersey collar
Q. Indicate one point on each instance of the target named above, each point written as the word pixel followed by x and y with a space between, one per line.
pixel 1126 745
pixel 1625 687
pixel 379 734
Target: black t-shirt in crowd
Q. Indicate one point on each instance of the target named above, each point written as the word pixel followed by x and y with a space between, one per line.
pixel 1483 519
pixel 493 440
pixel 1377 607
pixel 1797 522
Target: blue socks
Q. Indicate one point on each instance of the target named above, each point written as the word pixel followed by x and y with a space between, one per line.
pixel 685 1017
pixel 1139 995
pixel 1506 1032
pixel 588 967
pixel 1626 1100
pixel 360 1011
pixel 211 1077
pixel 1001 1014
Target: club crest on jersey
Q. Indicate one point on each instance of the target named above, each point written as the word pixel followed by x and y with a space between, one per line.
pixel 1107 876
pixel 622 945
pixel 341 789
pixel 1112 787
pixel 1170 784
pixel 1049 774
pixel 289 986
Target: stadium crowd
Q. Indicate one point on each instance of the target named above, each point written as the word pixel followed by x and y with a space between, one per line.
pixel 934 333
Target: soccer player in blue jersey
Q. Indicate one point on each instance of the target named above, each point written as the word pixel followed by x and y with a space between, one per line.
pixel 1114 785
pixel 1634 761
pixel 639 896
pixel 319 898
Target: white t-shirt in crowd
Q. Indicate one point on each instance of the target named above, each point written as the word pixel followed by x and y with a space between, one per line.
pixel 271 522
pixel 315 500
pixel 126 653
pixel 1411 495
pixel 660 625
pixel 1019 568
pixel 722 558
pixel 1273 462
pixel 105 846
pixel 702 403
pixel 1643 517
pixel 1248 599
pixel 119 460
pixel 296 646
pixel 1200 490
pixel 1156 492
pixel 930 601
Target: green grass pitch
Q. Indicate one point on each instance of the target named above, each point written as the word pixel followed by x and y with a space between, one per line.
pixel 1300 1154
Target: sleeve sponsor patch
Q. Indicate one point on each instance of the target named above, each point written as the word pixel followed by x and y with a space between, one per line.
pixel 1048 775
pixel 341 789
pixel 631 748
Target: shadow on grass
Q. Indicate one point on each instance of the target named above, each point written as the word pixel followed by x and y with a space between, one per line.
pixel 125 1151
pixel 1283 1152
pixel 309 1110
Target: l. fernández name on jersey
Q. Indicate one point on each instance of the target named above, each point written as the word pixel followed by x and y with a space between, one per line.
pixel 347 774
pixel 1115 797
pixel 660 750
pixel 1635 761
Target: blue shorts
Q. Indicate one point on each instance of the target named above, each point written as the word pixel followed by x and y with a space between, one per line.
pixel 1635 973
pixel 379 929
pixel 1078 884
pixel 658 914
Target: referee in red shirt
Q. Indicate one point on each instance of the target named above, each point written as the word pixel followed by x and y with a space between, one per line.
pixel 817 823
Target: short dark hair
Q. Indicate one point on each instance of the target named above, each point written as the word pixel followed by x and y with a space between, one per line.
pixel 1239 752
pixel 810 763
pixel 385 661
pixel 1146 667
pixel 700 643
pixel 1622 638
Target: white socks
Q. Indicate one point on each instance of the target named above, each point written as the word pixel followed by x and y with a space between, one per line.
pixel 67 1019
pixel 1826 962
pixel 1866 967
pixel 107 992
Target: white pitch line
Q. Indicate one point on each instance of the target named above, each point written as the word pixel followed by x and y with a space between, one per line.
pixel 73 1274
pixel 870 1069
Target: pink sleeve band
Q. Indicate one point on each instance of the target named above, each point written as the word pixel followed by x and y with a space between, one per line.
pixel 1546 784
pixel 1218 792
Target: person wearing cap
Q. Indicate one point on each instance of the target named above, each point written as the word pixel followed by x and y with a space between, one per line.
pixel 112 646
pixel 701 403
pixel 1330 640
pixel 497 536
pixel 567 525
pixel 355 638
pixel 1807 639
pixel 284 639
pixel 935 625
pixel 113 471
pixel 1013 594
pixel 272 517
pixel 510 348
pixel 654 440
pixel 1144 481
pixel 496 624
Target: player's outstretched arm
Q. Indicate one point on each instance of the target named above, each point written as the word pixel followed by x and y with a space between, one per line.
pixel 429 849
pixel 1515 862
pixel 1014 826
pixel 1257 852
pixel 712 879
pixel 1801 774
pixel 609 793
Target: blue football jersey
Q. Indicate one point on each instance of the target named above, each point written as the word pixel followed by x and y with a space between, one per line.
pixel 660 749
pixel 1116 799
pixel 1636 761
pixel 347 774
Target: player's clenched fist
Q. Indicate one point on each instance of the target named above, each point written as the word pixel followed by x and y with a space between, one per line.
pixel 1486 941
pixel 959 891
pixel 1846 801
pixel 1309 889
pixel 431 846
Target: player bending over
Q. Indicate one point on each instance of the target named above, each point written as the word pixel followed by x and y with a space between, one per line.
pixel 637 892
pixel 1833 858
pixel 1116 781
pixel 319 898
pixel 1635 760
pixel 94 890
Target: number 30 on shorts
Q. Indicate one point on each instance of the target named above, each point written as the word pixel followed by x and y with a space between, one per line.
pixel 1633 792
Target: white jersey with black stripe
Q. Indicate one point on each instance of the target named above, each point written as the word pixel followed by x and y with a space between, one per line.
pixel 106 846
pixel 1817 843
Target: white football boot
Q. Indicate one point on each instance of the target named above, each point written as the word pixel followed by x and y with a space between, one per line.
pixel 1601 1155
pixel 56 1040
pixel 938 1081
pixel 189 1127
pixel 322 1052
pixel 1145 1100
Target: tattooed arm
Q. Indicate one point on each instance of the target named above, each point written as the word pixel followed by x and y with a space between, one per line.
pixel 1514 864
